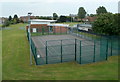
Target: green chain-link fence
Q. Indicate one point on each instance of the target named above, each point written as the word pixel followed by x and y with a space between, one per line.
pixel 82 51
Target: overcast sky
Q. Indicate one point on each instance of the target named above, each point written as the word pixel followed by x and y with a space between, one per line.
pixel 48 7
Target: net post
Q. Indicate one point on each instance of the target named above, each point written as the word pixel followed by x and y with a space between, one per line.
pixel 107 50
pixel 46 54
pixel 61 51
pixel 75 49
pixel 80 53
pixel 94 51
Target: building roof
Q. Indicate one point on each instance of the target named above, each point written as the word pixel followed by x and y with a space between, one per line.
pixel 91 19
pixel 65 25
pixel 42 20
pixel 84 25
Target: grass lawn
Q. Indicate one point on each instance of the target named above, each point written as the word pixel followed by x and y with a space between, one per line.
pixel 16 65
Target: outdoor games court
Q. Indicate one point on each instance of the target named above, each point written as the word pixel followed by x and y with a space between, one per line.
pixel 62 48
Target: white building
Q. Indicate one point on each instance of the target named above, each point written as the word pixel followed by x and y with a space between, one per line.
pixel 41 21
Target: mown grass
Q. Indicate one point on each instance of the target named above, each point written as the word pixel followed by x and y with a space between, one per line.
pixel 16 65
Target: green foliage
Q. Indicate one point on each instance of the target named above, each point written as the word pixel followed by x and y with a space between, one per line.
pixel 107 24
pixel 6 23
pixel 81 13
pixel 15 19
pixel 55 16
pixel 65 19
pixel 117 24
pixel 101 10
pixel 44 17
pixel 10 18
pixel 62 19
pixel 92 15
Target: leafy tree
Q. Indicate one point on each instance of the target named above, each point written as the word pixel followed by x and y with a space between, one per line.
pixel 69 19
pixel 117 24
pixel 106 24
pixel 15 19
pixel 101 9
pixel 55 16
pixel 10 18
pixel 81 13
pixel 62 19
pixel 6 23
pixel 15 16
pixel 92 15
pixel 45 17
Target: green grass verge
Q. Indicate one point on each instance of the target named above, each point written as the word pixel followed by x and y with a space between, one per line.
pixel 16 65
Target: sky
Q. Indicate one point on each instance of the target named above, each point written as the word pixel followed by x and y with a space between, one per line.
pixel 48 7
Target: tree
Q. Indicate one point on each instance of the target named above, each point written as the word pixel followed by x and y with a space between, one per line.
pixel 101 9
pixel 69 19
pixel 15 19
pixel 10 18
pixel 6 23
pixel 62 19
pixel 81 13
pixel 15 16
pixel 106 24
pixel 55 16
pixel 117 24
pixel 92 15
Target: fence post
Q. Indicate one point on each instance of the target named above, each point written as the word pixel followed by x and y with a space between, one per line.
pixel 42 31
pixel 111 47
pixel 60 30
pixel 94 52
pixel 61 51
pixel 54 30
pixel 107 49
pixel 66 30
pixel 80 53
pixel 46 54
pixel 36 55
pixel 75 49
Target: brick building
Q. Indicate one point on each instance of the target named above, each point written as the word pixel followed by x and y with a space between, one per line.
pixel 25 18
pixel 38 25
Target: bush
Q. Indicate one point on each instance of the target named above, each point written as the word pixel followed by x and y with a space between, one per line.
pixel 106 24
